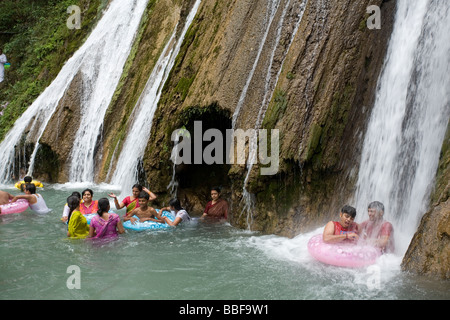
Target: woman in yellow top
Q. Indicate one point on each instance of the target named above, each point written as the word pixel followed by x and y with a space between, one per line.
pixel 78 227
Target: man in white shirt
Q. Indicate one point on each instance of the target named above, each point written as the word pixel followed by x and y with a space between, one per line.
pixel 2 65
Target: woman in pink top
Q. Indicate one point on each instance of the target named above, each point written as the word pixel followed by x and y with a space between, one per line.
pixel 105 224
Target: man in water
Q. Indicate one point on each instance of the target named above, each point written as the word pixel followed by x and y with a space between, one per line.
pixel 376 230
pixel 143 212
pixel 343 230
pixel 4 198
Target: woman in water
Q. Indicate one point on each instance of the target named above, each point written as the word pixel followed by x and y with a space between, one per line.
pixel 181 215
pixel 105 224
pixel 217 208
pixel 66 210
pixel 131 202
pixel 77 224
pixel 88 205
pixel 36 201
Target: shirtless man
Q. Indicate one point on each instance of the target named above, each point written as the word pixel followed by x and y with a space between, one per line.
pixel 143 212
pixel 4 198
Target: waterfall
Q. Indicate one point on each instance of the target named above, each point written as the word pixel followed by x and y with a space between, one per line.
pixel 100 61
pixel 406 130
pixel 269 86
pixel 134 145
pixel 104 61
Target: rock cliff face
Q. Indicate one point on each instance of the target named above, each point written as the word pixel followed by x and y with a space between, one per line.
pixel 320 105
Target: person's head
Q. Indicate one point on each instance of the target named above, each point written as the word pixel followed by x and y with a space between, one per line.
pixel 87 195
pixel 143 199
pixel 73 202
pixel 27 179
pixel 76 194
pixel 30 188
pixel 375 210
pixel 1 51
pixel 103 206
pixel 137 189
pixel 215 193
pixel 347 215
pixel 175 205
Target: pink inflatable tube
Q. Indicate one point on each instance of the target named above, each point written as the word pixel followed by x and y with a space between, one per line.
pixel 14 207
pixel 342 254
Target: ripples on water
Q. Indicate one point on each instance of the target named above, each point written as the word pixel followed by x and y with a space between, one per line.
pixel 197 261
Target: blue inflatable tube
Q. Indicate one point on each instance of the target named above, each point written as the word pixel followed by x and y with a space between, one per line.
pixel 149 225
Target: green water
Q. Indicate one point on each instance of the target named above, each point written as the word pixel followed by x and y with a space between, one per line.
pixel 195 262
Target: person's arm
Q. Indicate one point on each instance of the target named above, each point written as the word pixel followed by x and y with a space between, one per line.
pixel 116 201
pixel 91 231
pixel 174 223
pixel 66 212
pixel 151 194
pixel 129 216
pixel 120 227
pixel 27 197
pixel 205 213
pixel 330 237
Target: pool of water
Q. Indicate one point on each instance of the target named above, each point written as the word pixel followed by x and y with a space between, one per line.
pixel 198 261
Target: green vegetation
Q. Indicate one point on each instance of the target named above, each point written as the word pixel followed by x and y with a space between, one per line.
pixel 37 42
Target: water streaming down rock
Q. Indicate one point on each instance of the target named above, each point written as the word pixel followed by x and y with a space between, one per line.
pixel 100 61
pixel 410 117
pixel 103 70
pixel 272 73
pixel 126 174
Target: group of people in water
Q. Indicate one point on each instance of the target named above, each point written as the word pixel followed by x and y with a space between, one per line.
pixel 375 231
pixel 108 224
pixel 35 200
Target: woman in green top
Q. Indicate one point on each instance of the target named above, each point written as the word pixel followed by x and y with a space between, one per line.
pixel 77 224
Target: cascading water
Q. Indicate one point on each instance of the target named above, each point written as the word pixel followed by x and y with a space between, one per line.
pixel 410 117
pixel 100 61
pixel 270 83
pixel 103 67
pixel 137 137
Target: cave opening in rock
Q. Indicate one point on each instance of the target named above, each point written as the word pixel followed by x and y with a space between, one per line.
pixel 195 179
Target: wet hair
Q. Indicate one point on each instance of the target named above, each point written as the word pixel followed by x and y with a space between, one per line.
pixel 72 202
pixel 138 186
pixel 144 195
pixel 218 189
pixel 176 204
pixel 103 206
pixel 377 205
pixel 349 210
pixel 88 190
pixel 31 188
pixel 27 179
pixel 76 194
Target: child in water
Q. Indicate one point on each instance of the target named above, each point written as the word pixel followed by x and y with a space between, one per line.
pixel 143 212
